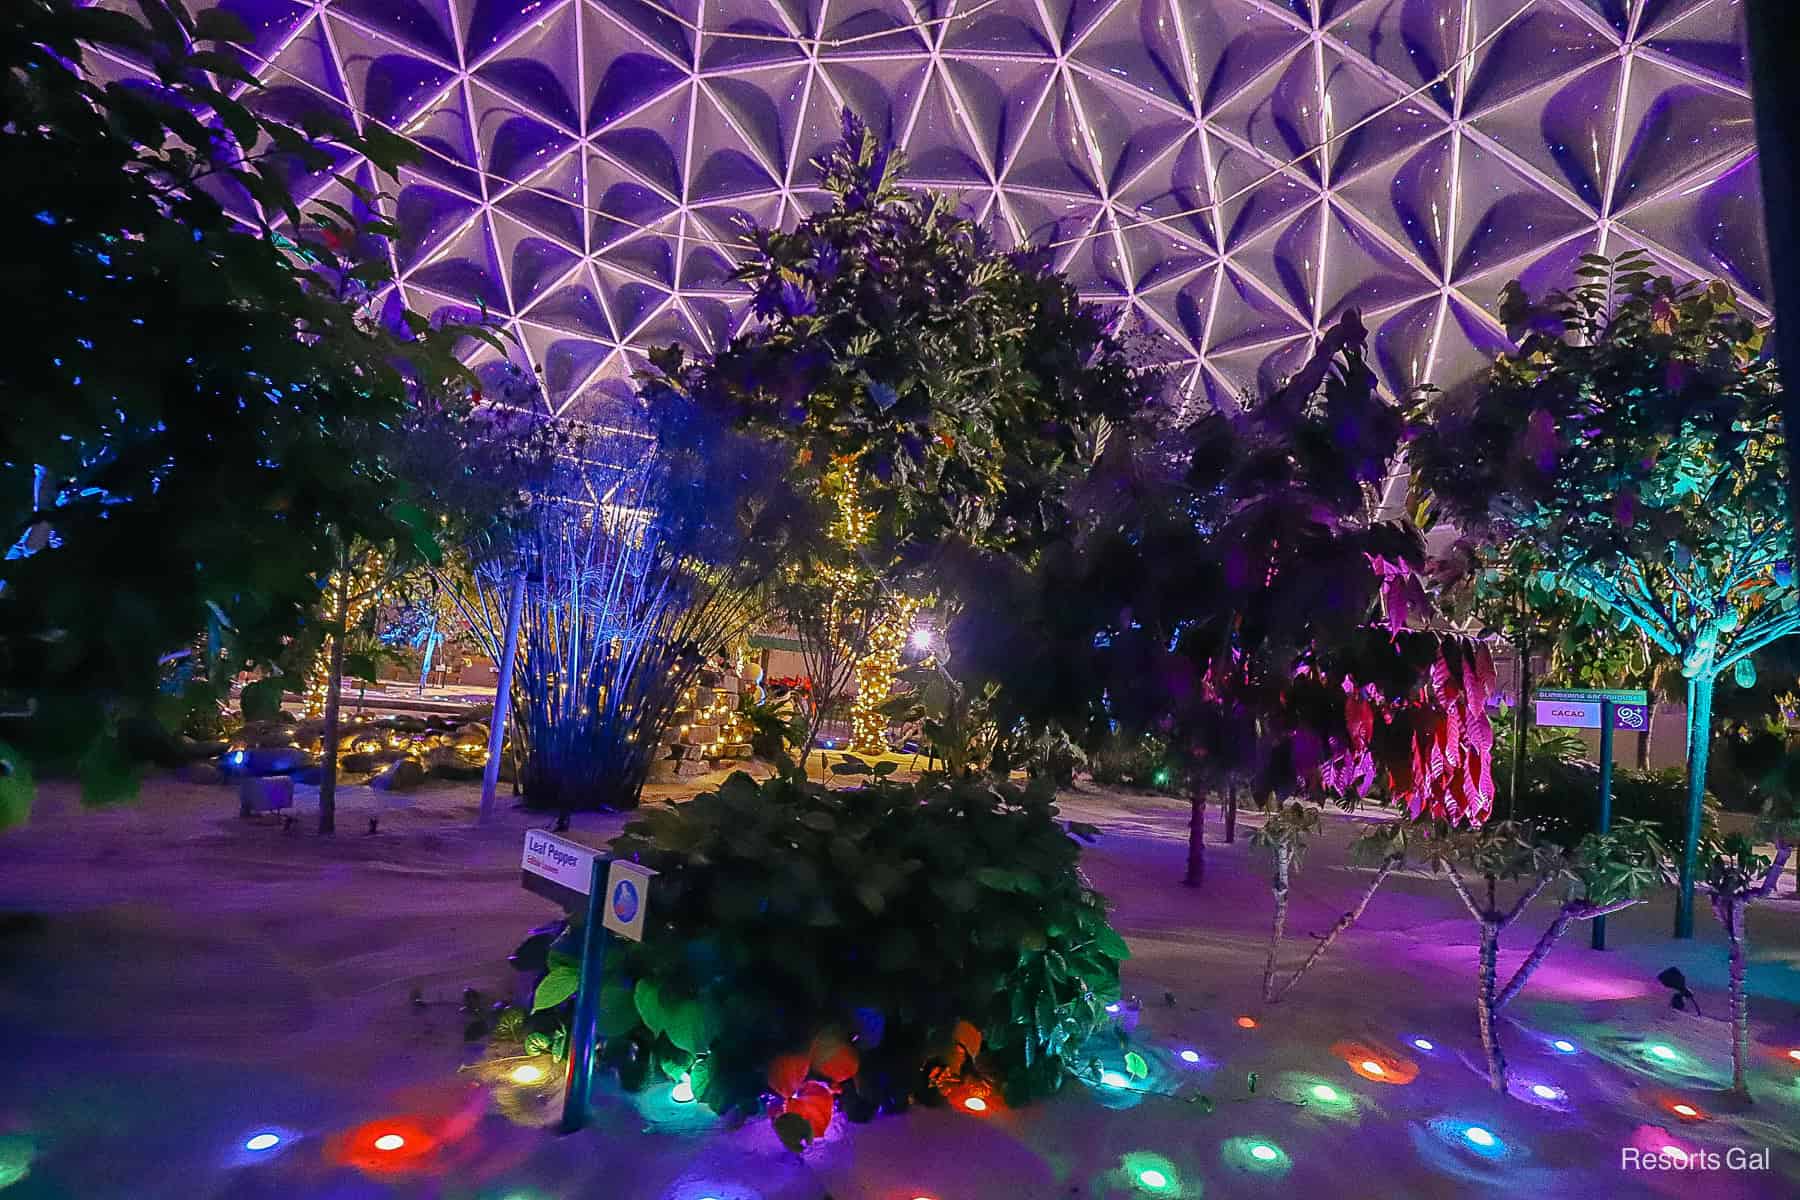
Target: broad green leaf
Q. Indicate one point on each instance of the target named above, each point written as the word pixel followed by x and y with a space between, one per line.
pixel 794 1131
pixel 17 788
pixel 1110 943
pixel 618 1012
pixel 555 987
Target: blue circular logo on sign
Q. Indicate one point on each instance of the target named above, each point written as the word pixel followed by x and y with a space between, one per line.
pixel 625 901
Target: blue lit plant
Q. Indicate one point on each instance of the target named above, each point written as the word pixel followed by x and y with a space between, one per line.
pixel 644 557
pixel 1634 441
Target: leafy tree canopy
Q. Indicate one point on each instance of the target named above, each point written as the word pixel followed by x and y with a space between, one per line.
pixel 1634 441
pixel 954 387
pixel 186 390
pixel 1230 591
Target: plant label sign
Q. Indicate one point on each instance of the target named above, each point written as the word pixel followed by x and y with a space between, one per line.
pixel 627 898
pixel 557 868
pixel 1579 708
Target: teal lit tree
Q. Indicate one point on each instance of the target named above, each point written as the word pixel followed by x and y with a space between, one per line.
pixel 1634 441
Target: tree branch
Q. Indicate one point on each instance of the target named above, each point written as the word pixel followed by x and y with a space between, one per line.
pixel 1772 876
pixel 1524 901
pixel 1753 638
pixel 1605 594
pixel 1462 890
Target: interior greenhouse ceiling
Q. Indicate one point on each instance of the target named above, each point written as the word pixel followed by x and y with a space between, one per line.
pixel 1231 173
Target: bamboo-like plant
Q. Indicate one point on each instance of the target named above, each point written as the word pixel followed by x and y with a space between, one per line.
pixel 644 560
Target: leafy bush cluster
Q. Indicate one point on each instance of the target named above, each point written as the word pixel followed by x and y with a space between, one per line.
pixel 811 949
pixel 1144 761
pixel 1561 796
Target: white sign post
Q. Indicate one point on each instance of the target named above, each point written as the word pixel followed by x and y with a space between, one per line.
pixel 1604 709
pixel 570 874
pixel 557 868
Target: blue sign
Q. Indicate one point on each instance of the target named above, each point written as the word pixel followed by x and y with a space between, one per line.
pixel 1570 711
pixel 625 901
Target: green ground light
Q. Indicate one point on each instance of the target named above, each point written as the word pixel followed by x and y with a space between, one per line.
pixel 16 1153
pixel 1255 1154
pixel 1153 1175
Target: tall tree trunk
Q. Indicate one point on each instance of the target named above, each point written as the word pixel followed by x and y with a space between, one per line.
pixel 1231 807
pixel 1344 922
pixel 1730 911
pixel 1283 856
pixel 1196 856
pixel 431 641
pixel 1699 719
pixel 509 654
pixel 334 689
pixel 1485 1008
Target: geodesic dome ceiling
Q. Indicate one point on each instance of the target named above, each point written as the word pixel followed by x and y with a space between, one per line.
pixel 1230 173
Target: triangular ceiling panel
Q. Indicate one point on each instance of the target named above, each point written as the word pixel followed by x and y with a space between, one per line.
pixel 1675 127
pixel 551 202
pixel 664 27
pixel 423 25
pixel 943 154
pixel 1137 46
pixel 752 33
pixel 541 70
pixel 762 107
pixel 387 81
pixel 465 269
pixel 1230 174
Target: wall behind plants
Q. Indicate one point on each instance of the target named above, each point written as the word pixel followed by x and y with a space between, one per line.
pixel 814 950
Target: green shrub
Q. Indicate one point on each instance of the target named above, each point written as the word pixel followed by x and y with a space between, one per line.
pixel 856 948
pixel 1142 761
pixel 1053 756
pixel 1561 796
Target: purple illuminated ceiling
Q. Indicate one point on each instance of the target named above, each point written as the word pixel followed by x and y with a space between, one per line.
pixel 591 155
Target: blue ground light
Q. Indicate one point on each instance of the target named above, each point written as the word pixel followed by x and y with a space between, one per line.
pixel 259 1144
pixel 1476 1152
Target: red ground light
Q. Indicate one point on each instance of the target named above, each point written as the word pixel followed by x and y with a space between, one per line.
pixel 367 1147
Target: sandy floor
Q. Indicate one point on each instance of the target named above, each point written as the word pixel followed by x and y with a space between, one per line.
pixel 174 979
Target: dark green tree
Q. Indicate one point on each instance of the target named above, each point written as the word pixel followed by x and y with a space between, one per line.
pixel 928 391
pixel 1634 439
pixel 1228 590
pixel 185 387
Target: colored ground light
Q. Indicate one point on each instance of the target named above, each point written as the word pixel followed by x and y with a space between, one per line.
pixel 1149 1172
pixel 1262 1156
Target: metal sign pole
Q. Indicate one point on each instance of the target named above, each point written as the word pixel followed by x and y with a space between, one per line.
pixel 582 1029
pixel 1607 711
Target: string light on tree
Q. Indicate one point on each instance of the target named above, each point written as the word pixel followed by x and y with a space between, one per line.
pixel 362 594
pixel 875 673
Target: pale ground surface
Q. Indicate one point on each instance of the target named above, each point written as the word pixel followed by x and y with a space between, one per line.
pixel 174 979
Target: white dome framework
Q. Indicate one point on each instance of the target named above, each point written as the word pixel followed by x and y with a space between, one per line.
pixel 1230 173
